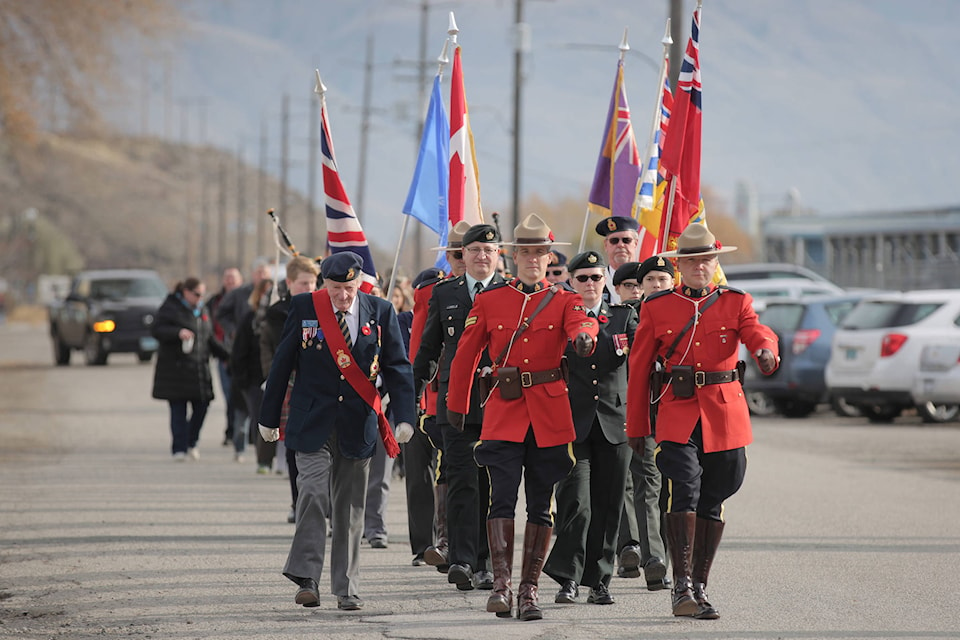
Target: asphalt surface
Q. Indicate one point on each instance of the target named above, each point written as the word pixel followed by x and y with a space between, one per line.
pixel 842 530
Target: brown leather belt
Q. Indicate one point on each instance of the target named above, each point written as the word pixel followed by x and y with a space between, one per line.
pixel 531 378
pixel 701 378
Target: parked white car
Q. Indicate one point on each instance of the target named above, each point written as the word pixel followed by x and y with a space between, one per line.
pixel 938 378
pixel 878 351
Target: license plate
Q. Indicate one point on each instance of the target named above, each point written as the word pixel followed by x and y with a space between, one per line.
pixel 851 354
pixel 148 343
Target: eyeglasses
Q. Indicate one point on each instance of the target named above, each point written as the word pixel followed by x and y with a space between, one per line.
pixel 458 255
pixel 596 277
pixel 555 272
pixel 619 239
pixel 487 251
pixel 632 286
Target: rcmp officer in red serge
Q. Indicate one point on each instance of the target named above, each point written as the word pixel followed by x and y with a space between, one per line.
pixel 527 424
pixel 338 340
pixel 590 498
pixel 467 487
pixel 703 424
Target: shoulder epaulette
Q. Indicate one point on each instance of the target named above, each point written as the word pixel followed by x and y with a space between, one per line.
pixel 658 294
pixel 427 283
pixel 447 281
pixel 726 287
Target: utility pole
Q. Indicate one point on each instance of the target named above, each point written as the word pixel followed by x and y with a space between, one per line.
pixel 284 156
pixel 222 216
pixel 312 177
pixel 364 126
pixel 521 44
pixel 262 188
pixel 679 46
pixel 241 211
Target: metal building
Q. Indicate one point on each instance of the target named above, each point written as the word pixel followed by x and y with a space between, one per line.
pixel 886 250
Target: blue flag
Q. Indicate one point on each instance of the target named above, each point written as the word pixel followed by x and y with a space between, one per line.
pixel 427 198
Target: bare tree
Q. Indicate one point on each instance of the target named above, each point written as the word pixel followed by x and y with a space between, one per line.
pixel 66 50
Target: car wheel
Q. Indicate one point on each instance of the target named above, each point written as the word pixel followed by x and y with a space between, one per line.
pixel 844 409
pixel 795 408
pixel 880 414
pixel 61 352
pixel 145 356
pixel 933 412
pixel 93 352
pixel 759 403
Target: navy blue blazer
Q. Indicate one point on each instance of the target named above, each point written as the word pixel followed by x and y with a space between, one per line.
pixel 322 400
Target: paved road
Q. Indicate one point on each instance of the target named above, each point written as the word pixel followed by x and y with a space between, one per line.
pixel 843 530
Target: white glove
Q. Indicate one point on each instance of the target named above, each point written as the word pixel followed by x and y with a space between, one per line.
pixel 268 434
pixel 404 432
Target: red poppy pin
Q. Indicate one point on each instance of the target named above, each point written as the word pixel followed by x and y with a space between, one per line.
pixel 602 318
pixel 365 330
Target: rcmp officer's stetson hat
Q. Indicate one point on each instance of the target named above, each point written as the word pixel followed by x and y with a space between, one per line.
pixel 533 232
pixel 585 260
pixel 696 240
pixel 616 223
pixel 481 233
pixel 344 266
pixel 454 237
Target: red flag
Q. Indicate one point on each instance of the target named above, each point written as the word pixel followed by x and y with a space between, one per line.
pixel 681 149
pixel 464 200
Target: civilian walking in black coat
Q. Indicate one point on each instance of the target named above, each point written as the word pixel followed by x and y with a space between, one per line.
pixel 182 375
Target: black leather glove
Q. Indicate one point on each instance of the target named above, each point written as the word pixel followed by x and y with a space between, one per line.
pixel 767 361
pixel 583 344
pixel 455 419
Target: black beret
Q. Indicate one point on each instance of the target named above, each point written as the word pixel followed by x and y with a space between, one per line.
pixel 558 259
pixel 427 275
pixel 341 267
pixel 626 271
pixel 481 233
pixel 585 260
pixel 655 263
pixel 616 223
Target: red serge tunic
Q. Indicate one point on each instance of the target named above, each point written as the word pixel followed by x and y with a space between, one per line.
pixel 496 313
pixel 710 345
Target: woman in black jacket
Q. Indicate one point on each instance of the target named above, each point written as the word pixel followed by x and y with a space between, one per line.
pixel 245 369
pixel 182 374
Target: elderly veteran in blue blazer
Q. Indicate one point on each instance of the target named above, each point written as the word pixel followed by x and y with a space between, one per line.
pixel 339 340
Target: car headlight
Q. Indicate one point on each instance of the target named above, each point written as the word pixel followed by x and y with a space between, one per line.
pixel 104 326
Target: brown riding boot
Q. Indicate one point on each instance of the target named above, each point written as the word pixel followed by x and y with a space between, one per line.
pixel 707 540
pixel 436 555
pixel 500 539
pixel 536 542
pixel 681 529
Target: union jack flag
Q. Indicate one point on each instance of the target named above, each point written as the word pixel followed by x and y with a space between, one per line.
pixel 344 232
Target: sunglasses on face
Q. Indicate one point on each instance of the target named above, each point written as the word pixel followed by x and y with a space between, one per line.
pixel 457 254
pixel 596 277
pixel 555 272
pixel 618 240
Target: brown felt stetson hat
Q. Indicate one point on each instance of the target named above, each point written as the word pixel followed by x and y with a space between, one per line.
pixel 454 237
pixel 533 232
pixel 696 240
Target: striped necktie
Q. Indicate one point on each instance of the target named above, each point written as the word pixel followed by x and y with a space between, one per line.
pixel 344 329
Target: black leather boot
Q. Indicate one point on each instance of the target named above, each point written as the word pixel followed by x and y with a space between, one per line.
pixel 708 537
pixel 681 530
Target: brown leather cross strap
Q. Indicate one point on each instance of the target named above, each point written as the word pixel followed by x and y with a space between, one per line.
pixel 552 291
pixel 701 378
